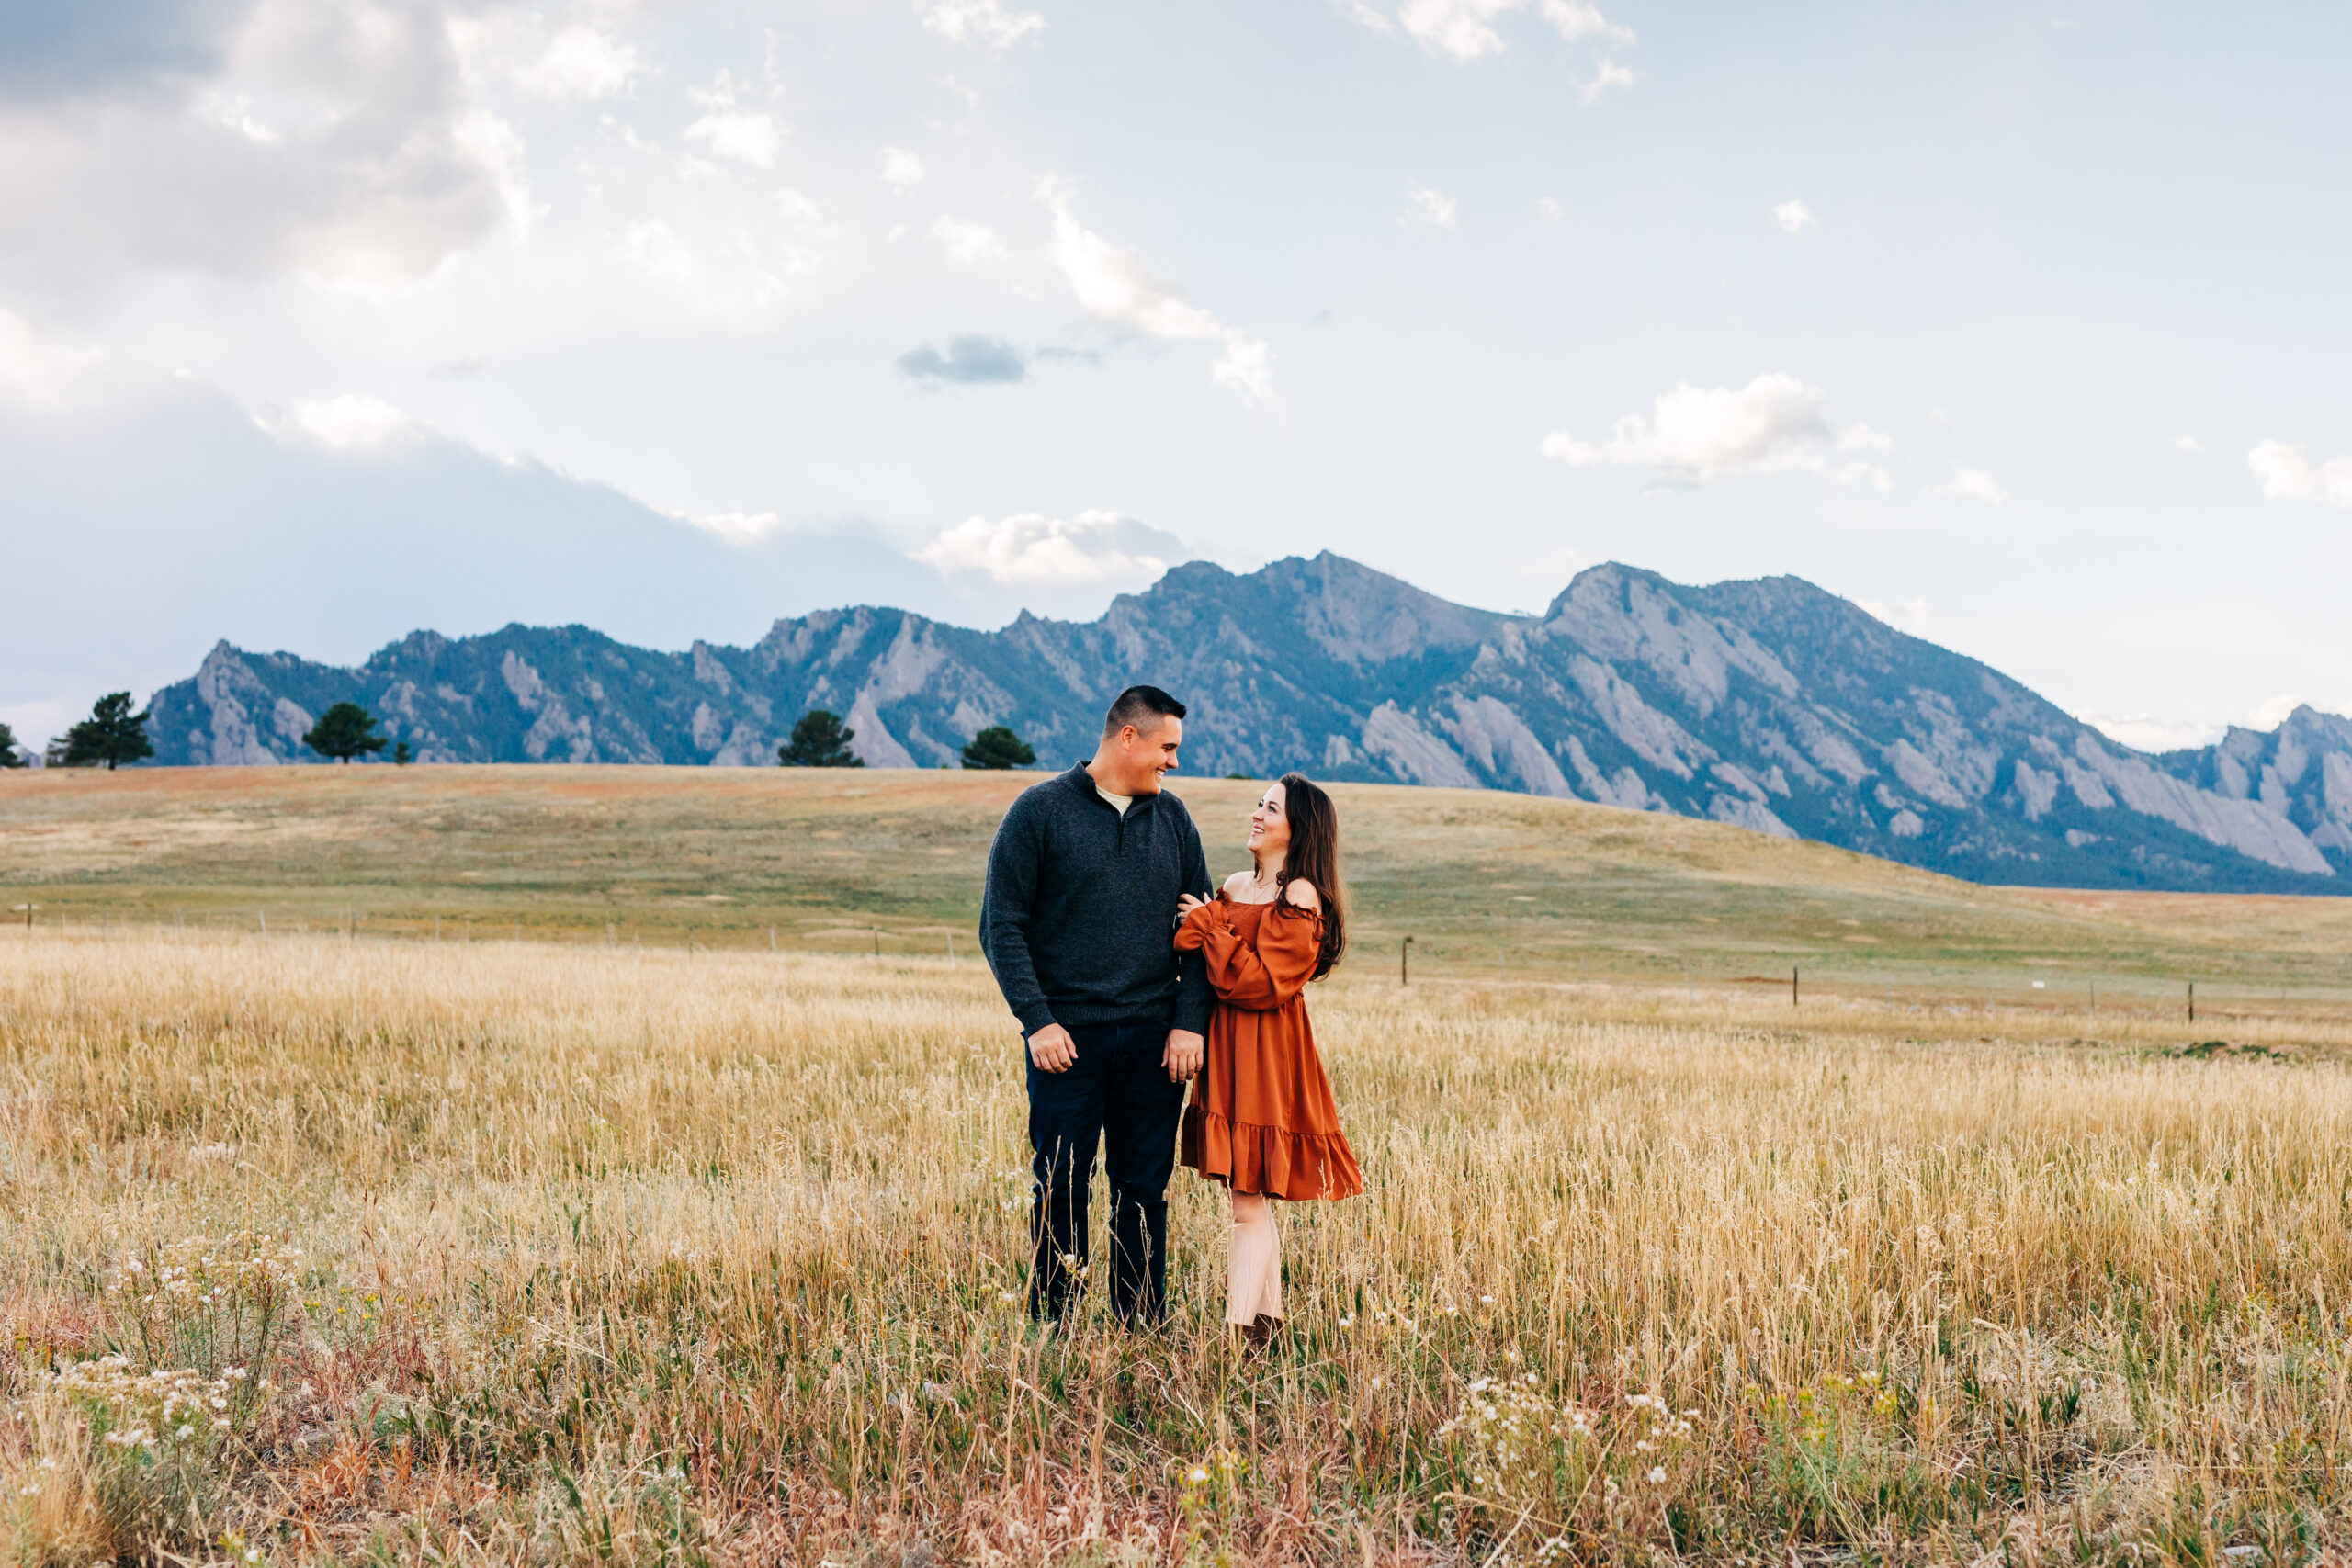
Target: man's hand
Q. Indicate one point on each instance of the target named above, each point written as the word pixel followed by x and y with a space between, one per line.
pixel 1183 1056
pixel 1052 1049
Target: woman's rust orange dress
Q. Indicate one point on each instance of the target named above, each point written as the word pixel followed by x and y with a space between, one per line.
pixel 1261 1118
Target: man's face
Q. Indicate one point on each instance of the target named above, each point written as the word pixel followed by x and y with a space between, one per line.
pixel 1145 754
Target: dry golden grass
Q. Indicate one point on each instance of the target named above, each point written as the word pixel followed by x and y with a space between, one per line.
pixel 644 1257
pixel 842 860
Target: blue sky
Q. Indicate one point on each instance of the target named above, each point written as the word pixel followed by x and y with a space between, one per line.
pixel 322 319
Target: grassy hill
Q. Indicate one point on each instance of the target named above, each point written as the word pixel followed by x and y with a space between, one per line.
pixel 1490 886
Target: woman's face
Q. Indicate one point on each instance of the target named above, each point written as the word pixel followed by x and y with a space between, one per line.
pixel 1270 824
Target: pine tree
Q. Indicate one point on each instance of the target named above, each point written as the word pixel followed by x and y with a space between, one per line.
pixel 112 735
pixel 344 731
pixel 818 740
pixel 10 757
pixel 402 756
pixel 997 747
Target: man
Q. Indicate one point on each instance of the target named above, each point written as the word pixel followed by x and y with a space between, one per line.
pixel 1079 923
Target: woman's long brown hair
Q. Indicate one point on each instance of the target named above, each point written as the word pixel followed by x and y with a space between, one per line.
pixel 1314 854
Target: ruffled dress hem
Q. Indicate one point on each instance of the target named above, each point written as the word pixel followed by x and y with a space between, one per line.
pixel 1274 1162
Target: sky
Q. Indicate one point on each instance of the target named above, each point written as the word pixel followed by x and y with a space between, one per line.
pixel 2023 325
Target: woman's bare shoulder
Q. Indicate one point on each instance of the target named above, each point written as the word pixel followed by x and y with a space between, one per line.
pixel 1301 892
pixel 1239 882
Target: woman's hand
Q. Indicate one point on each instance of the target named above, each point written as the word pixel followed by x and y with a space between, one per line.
pixel 1186 904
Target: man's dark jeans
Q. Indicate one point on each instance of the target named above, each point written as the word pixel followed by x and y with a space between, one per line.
pixel 1118 1091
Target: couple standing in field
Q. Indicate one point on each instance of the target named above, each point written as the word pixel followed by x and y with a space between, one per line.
pixel 1131 979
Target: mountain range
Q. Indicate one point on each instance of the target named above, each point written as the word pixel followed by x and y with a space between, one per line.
pixel 1771 704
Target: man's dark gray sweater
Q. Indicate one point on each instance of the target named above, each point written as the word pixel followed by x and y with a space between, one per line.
pixel 1079 919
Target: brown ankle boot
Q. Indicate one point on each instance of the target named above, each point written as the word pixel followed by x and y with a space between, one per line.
pixel 1260 1337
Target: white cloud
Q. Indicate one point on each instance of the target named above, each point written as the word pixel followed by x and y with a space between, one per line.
pixel 1577 21
pixel 902 170
pixel 1115 288
pixel 2189 443
pixel 579 61
pixel 1699 434
pixel 235 111
pixel 1903 614
pixel 1464 29
pixel 748 136
pixel 1034 549
pixel 737 528
pixel 1550 211
pixel 652 245
pixel 800 208
pixel 495 147
pixel 1610 74
pixel 2151 732
pixel 2271 714
pixel 351 423
pixel 1426 208
pixel 2288 473
pixel 582 62
pixel 981 21
pixel 43 372
pixel 1455 27
pixel 1793 217
pixel 1247 365
pixel 338 139
pixel 625 133
pixel 968 242
pixel 1976 484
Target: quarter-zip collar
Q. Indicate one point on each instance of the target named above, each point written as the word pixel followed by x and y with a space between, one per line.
pixel 1139 807
pixel 1081 780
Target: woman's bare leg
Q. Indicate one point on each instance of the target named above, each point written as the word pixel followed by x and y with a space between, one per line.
pixel 1253 1284
pixel 1270 1287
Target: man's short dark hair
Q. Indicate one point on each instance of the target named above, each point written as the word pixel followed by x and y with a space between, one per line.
pixel 1143 706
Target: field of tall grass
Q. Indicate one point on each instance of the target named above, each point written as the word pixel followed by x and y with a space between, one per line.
pixel 319 1250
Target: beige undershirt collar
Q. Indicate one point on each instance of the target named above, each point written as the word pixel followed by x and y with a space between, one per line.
pixel 1119 803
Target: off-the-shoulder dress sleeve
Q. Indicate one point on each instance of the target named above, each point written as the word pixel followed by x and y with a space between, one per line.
pixel 1264 978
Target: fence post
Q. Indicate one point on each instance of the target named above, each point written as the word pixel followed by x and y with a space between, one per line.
pixel 1793 985
pixel 1405 963
pixel 2192 1001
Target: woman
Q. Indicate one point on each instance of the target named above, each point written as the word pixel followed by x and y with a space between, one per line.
pixel 1261 1120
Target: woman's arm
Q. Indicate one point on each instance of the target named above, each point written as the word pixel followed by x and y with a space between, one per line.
pixel 1266 976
